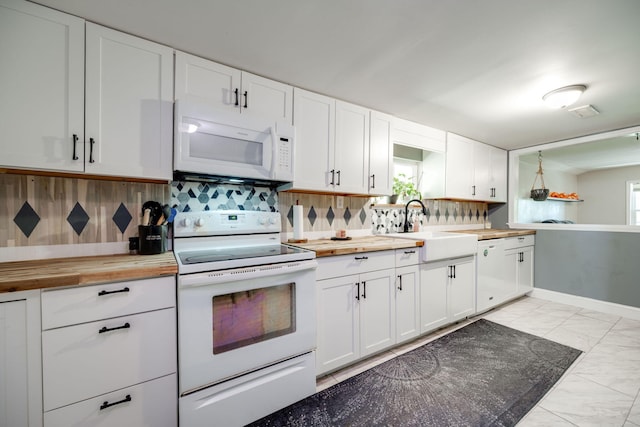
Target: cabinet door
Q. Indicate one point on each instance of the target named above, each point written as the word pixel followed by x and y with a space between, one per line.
pixel 481 188
pixel 462 290
pixel 266 98
pixel 433 295
pixel 380 154
pixel 338 323
pixel 351 155
pixel 459 171
pixel 314 119
pixel 42 87
pixel 207 82
pixel 129 105
pixel 498 175
pixel 14 398
pixel 20 360
pixel 407 303
pixel 511 266
pixel 377 311
pixel 525 270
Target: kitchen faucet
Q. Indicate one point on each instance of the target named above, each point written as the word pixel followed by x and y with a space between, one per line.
pixel 406 213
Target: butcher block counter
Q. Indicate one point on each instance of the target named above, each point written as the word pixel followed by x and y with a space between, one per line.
pixel 328 247
pixel 48 273
pixel 494 233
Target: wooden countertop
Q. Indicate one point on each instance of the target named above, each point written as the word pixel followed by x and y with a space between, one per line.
pixel 494 233
pixel 47 273
pixel 328 247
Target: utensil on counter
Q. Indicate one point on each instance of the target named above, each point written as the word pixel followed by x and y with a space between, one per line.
pixel 155 211
pixel 146 216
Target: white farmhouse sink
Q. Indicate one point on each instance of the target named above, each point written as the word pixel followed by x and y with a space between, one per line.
pixel 442 244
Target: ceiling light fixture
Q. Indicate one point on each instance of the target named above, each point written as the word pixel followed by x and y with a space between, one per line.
pixel 563 97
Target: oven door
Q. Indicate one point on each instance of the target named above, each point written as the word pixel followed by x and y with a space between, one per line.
pixel 232 322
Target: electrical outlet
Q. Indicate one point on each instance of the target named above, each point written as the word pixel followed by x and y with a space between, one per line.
pixel 339 202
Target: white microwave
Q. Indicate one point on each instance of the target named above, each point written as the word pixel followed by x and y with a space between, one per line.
pixel 215 144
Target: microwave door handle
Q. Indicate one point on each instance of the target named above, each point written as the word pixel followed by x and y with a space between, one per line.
pixel 274 151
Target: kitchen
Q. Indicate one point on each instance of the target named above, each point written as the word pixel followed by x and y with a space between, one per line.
pixel 106 213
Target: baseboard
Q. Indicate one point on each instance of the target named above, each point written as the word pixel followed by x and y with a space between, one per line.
pixel 589 303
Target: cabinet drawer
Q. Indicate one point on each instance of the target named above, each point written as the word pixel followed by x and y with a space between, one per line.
pixel 362 262
pixel 71 306
pixel 407 256
pixel 520 241
pixel 83 361
pixel 153 403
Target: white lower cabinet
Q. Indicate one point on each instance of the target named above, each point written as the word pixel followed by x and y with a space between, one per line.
pixel 407 296
pixel 447 292
pixel 356 313
pixel 109 354
pixel 519 263
pixel 20 375
pixel 151 403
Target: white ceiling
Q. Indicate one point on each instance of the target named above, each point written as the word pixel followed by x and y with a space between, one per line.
pixel 476 68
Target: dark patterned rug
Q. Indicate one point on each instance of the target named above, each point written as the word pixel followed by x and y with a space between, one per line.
pixel 483 374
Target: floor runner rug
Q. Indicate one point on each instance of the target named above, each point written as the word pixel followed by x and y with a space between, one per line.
pixel 483 374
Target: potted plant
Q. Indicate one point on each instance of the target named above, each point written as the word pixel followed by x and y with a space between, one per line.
pixel 403 189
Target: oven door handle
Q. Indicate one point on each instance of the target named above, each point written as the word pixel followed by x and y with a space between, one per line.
pixel 247 273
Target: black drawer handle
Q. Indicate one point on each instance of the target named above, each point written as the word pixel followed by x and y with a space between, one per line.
pixel 102 293
pixel 91 143
pixel 362 257
pixel 236 92
pixel 105 329
pixel 246 98
pixel 106 403
pixel 75 140
pixel 409 252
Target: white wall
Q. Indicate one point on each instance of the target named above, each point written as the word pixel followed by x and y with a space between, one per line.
pixel 604 194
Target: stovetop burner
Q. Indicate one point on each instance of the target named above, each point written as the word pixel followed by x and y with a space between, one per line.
pixel 235 253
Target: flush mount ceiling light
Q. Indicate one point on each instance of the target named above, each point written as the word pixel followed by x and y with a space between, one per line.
pixel 563 97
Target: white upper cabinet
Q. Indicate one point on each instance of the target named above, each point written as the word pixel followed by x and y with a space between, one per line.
pixel 351 152
pixel 380 154
pixel 333 146
pixel 129 105
pixel 475 171
pixel 225 88
pixel 42 87
pixel 415 135
pixel 113 117
pixel 314 120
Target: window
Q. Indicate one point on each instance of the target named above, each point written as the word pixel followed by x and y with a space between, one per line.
pixel 633 202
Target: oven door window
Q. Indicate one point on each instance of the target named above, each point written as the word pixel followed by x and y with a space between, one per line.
pixel 247 317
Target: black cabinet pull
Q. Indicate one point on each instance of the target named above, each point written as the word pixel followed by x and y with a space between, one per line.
pixel 373 181
pixel 358 291
pixel 409 252
pixel 338 183
pixel 105 329
pixel 246 97
pixel 364 290
pixel 75 141
pixel 361 257
pixel 102 293
pixel 474 190
pixel 450 273
pixel 400 282
pixel 106 403
pixel 236 92
pixel 333 176
pixel 91 142
pixel 454 271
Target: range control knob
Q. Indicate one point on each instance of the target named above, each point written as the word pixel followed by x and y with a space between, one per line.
pixel 262 220
pixel 199 222
pixel 272 220
pixel 186 222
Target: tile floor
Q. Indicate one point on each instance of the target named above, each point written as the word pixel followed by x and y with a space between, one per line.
pixel 600 389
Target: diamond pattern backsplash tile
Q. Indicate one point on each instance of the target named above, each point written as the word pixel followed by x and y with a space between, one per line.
pixel 78 218
pixel 26 219
pixel 63 211
pixel 197 197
